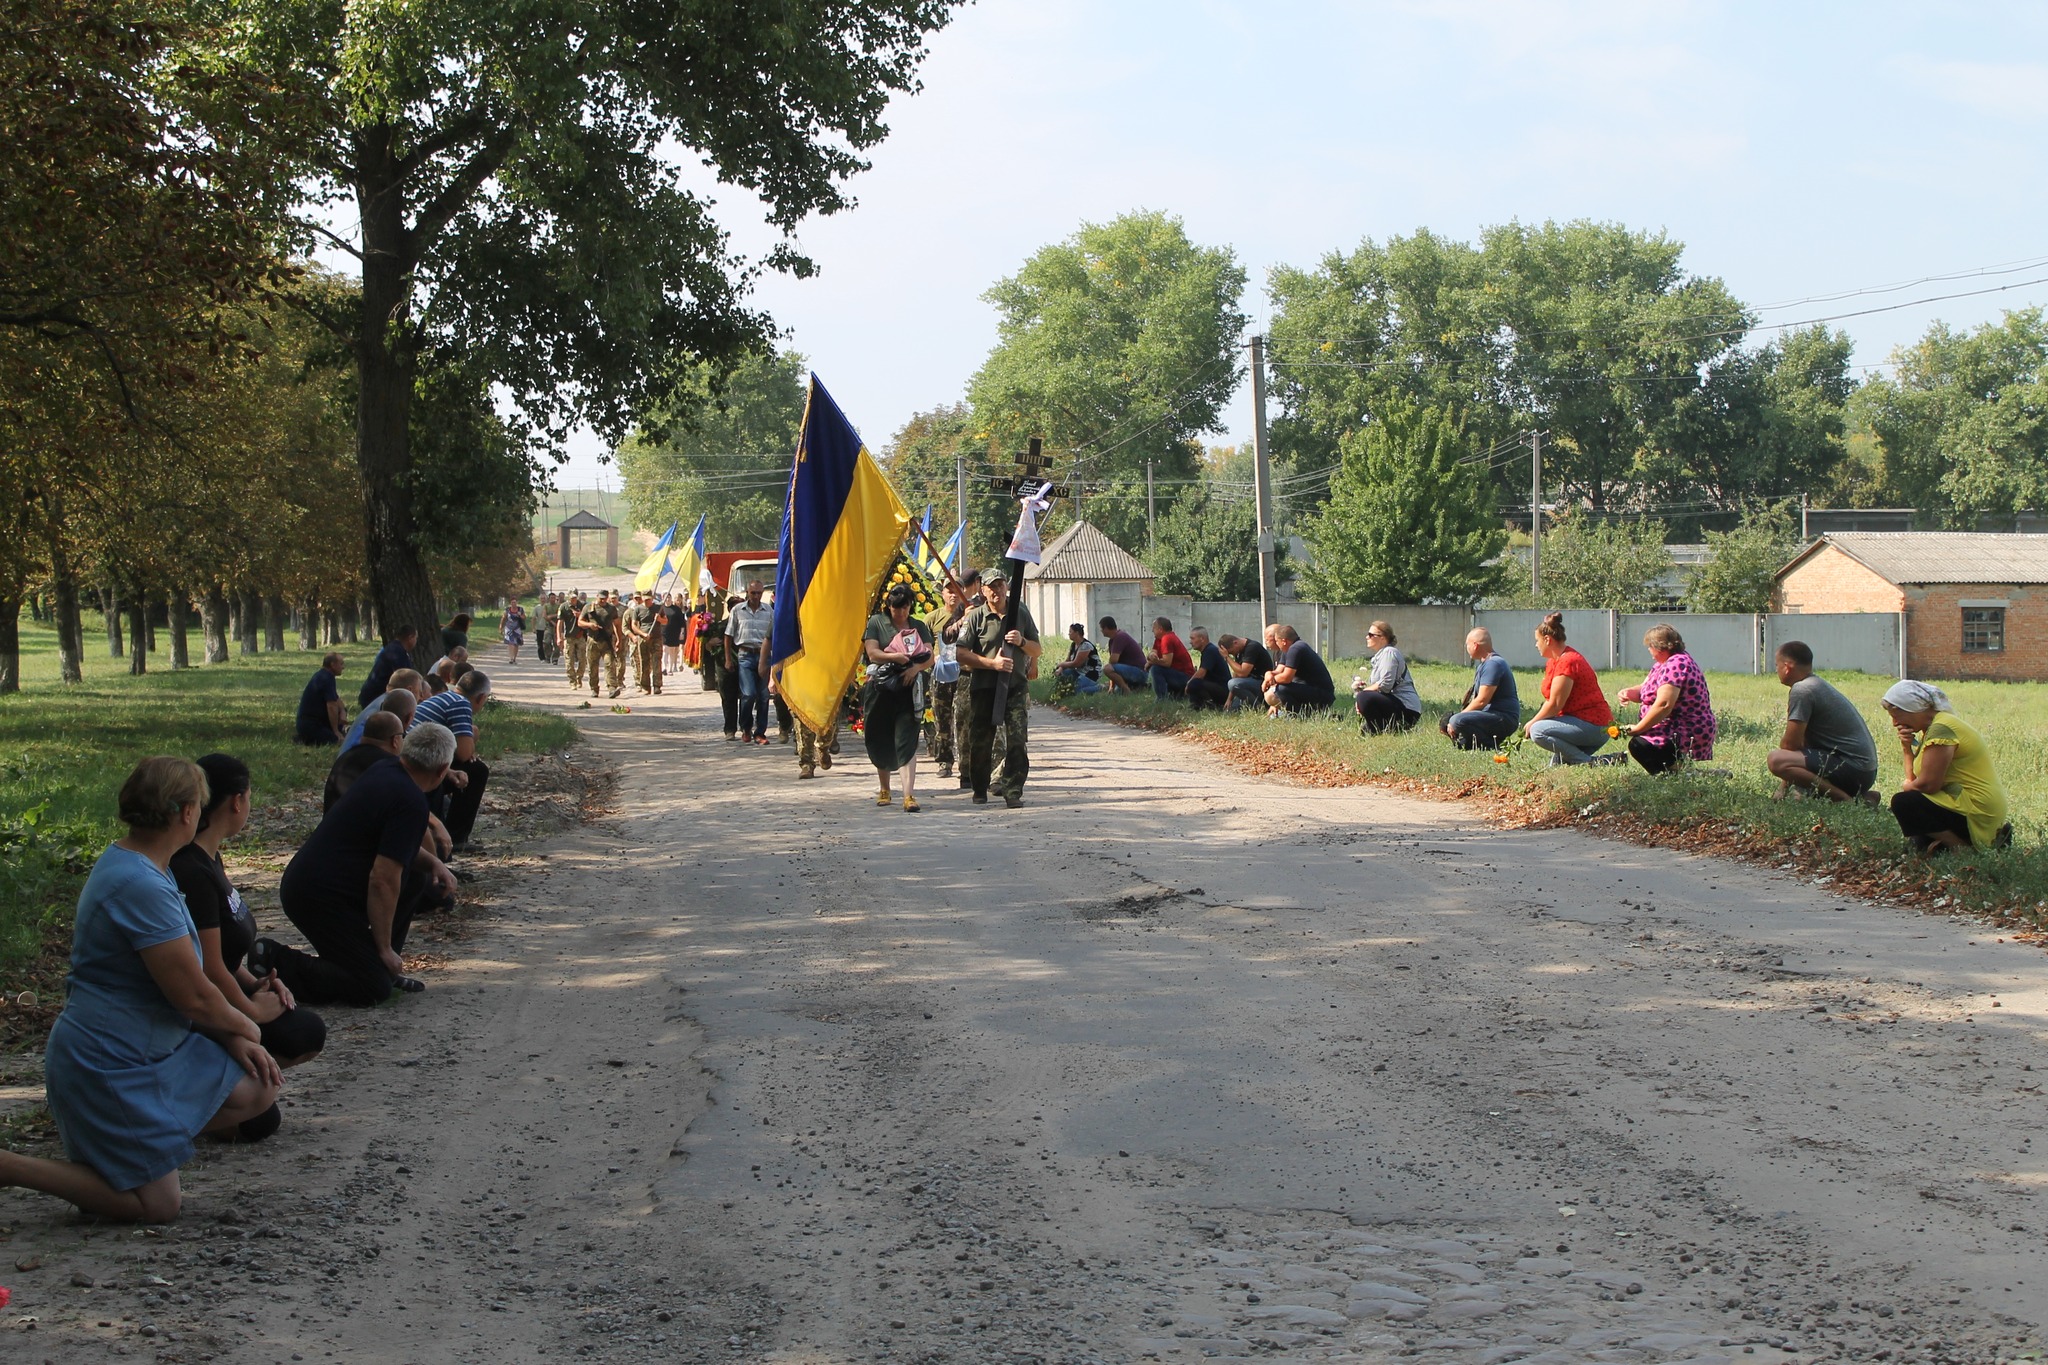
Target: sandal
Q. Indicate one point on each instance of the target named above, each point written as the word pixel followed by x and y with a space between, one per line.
pixel 882 799
pixel 410 985
pixel 910 806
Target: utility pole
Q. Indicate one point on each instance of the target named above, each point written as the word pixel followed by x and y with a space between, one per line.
pixel 960 506
pixel 1535 514
pixel 1151 535
pixel 1262 484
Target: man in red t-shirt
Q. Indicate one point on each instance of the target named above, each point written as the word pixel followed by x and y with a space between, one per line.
pixel 1168 661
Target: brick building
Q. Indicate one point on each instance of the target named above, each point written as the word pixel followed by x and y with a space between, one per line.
pixel 1975 604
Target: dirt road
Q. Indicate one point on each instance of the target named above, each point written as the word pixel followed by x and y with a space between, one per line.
pixel 1168 1064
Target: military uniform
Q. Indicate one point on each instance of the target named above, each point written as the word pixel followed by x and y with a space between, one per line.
pixel 720 678
pixel 599 621
pixel 572 638
pixel 982 632
pixel 643 624
pixel 944 721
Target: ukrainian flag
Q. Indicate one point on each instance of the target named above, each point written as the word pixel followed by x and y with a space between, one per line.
pixel 841 529
pixel 656 564
pixel 950 551
pixel 687 559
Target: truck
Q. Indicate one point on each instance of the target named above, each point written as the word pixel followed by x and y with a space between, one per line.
pixel 732 569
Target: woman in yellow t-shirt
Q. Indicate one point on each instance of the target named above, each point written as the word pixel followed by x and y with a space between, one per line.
pixel 1951 797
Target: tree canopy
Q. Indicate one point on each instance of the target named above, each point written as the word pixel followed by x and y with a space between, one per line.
pixel 523 214
pixel 1119 345
pixel 721 447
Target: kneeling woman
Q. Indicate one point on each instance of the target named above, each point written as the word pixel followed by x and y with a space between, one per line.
pixel 1951 797
pixel 227 930
pixel 1677 719
pixel 146 1055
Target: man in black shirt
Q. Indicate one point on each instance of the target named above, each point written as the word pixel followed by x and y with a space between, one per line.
pixel 1209 684
pixel 396 654
pixel 1249 662
pixel 320 719
pixel 347 888
pixel 1300 682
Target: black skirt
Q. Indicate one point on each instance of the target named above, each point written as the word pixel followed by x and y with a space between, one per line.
pixel 891 725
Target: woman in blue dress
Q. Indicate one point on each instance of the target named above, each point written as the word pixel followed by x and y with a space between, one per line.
pixel 147 1054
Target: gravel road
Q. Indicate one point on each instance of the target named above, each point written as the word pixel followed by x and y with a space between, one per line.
pixel 1167 1065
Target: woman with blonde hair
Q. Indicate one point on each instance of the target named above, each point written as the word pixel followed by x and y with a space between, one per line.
pixel 1677 719
pixel 147 1053
pixel 1386 698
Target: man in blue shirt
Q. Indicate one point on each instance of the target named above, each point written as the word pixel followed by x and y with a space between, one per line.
pixel 1492 711
pixel 1209 684
pixel 396 654
pixel 320 719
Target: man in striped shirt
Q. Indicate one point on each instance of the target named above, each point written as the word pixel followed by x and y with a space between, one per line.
pixel 457 801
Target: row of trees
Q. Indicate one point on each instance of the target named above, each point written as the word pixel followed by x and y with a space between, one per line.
pixel 183 403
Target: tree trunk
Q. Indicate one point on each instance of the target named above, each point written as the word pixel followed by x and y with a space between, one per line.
pixel 367 623
pixel 214 617
pixel 35 607
pixel 138 634
pixel 251 622
pixel 110 610
pixel 149 622
pixel 349 632
pixel 10 645
pixel 385 365
pixel 309 623
pixel 178 603
pixel 64 607
pixel 274 612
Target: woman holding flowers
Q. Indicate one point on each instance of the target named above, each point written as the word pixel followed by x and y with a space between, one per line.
pixel 1677 719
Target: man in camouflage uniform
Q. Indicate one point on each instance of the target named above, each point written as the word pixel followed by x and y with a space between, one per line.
pixel 600 625
pixel 982 641
pixel 945 623
pixel 970 584
pixel 569 635
pixel 813 749
pixel 642 624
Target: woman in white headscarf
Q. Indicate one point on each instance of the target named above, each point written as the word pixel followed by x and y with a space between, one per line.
pixel 1951 797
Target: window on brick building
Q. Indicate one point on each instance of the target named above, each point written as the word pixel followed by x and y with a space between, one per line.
pixel 1983 630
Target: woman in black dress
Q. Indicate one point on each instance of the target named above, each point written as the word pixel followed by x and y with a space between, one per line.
pixel 899 653
pixel 291 1033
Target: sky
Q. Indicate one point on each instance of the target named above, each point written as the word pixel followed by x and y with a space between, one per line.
pixel 1800 150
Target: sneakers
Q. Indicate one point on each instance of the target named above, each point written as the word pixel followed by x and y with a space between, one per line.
pixel 262 957
pixel 945 770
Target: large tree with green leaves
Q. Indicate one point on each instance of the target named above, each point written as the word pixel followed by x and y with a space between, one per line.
pixel 1962 423
pixel 1742 569
pixel 1602 565
pixel 1409 519
pixel 514 181
pixel 720 447
pixel 1117 346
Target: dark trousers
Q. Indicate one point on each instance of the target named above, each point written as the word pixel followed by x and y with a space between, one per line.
pixel 784 722
pixel 344 968
pixel 1300 699
pixel 1920 816
pixel 457 808
pixel 1167 682
pixel 1655 758
pixel 1204 692
pixel 1381 712
pixel 729 698
pixel 981 741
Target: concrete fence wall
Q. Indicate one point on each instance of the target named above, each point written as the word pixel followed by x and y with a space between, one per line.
pixel 1718 642
pixel 1870 642
pixel 1589 632
pixel 1867 641
pixel 1426 634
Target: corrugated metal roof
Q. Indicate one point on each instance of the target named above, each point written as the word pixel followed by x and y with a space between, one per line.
pixel 1082 554
pixel 1946 556
pixel 583 519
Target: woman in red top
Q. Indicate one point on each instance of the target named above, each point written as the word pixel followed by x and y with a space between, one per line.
pixel 1575 716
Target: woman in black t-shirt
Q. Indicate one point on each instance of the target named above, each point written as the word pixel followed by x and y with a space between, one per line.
pixel 227 929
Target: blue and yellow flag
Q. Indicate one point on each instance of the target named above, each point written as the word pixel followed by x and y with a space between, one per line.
pixel 842 526
pixel 950 551
pixel 656 564
pixel 687 559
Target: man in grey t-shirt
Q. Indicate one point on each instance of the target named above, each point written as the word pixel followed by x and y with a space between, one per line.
pixel 1826 748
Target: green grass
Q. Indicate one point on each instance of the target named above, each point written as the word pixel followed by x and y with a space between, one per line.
pixel 1852 844
pixel 65 750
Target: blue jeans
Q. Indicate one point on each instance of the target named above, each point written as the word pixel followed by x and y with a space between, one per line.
pixel 1086 685
pixel 1130 673
pixel 1478 729
pixel 1168 682
pixel 753 695
pixel 1572 740
pixel 1245 692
